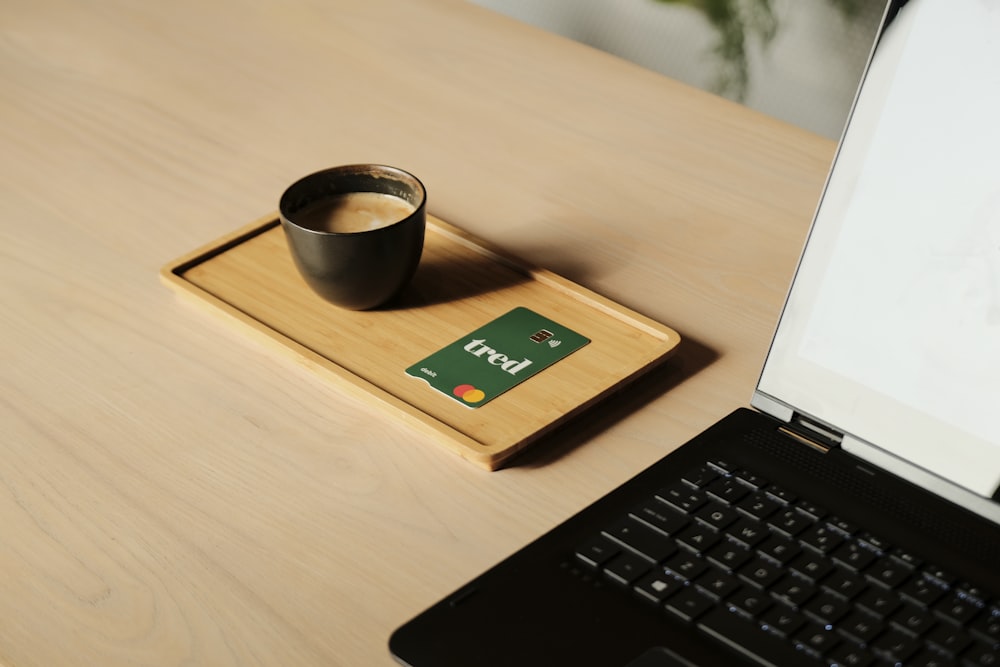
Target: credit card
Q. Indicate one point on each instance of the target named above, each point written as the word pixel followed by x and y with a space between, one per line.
pixel 497 356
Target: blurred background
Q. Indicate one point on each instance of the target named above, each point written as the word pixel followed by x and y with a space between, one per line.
pixel 798 60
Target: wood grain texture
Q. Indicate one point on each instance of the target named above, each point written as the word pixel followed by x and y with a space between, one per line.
pixel 171 495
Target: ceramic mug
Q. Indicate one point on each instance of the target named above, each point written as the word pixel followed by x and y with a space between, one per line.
pixel 356 232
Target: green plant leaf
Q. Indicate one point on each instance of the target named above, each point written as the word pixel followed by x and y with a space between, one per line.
pixel 736 21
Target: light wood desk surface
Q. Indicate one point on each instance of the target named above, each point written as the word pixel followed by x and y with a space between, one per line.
pixel 170 492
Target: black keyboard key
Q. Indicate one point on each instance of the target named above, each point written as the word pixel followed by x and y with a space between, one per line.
pixel 851 655
pixel 844 526
pixel 746 638
pixel 895 646
pixel 759 505
pixel 875 542
pixel 685 566
pixel 682 497
pixel 922 591
pixel 724 466
pixel 943 577
pixel 911 619
pixel 956 609
pixel 750 479
pixel 728 555
pixel 822 538
pixel 878 602
pixel 975 593
pixel 748 532
pixel 811 566
pixel 660 516
pixel 639 537
pixel 906 558
pixel 689 604
pixel 930 658
pixel 813 510
pixel 826 608
pixel 887 573
pixel 597 551
pixel 860 627
pixel 981 655
pixel 698 537
pixel 816 640
pixel 657 586
pixel 760 572
pixel 750 602
pixel 626 568
pixel 701 476
pixel 791 522
pixel 949 640
pixel 855 556
pixel 717 516
pixel 782 621
pixel 779 548
pixel 793 591
pixel 728 490
pixel 716 584
pixel 987 626
pixel 783 496
pixel 844 583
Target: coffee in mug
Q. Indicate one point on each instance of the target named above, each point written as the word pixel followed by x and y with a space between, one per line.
pixel 355 212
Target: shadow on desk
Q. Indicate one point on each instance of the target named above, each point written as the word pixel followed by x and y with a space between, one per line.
pixel 690 358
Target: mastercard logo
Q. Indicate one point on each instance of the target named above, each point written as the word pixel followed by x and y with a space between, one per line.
pixel 468 393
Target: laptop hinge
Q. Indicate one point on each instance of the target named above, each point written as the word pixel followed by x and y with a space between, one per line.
pixel 768 405
pixel 811 433
pixel 798 426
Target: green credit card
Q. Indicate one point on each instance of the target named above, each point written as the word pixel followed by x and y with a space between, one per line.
pixel 497 356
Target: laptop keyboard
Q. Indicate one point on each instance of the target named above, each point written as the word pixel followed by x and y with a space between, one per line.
pixel 762 570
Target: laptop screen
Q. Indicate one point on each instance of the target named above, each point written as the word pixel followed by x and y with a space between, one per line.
pixel 891 333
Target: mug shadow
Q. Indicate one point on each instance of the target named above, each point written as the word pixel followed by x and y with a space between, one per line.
pixel 443 278
pixel 689 358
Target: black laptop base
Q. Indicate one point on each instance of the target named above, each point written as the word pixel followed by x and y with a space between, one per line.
pixel 599 590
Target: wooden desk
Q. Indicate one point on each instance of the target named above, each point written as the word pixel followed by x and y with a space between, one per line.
pixel 171 493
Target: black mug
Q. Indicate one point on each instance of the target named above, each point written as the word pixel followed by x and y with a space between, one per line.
pixel 356 232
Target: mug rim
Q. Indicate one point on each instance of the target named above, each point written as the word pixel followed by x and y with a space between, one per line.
pixel 360 168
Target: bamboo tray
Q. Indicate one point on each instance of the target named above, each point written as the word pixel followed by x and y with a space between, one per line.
pixel 248 277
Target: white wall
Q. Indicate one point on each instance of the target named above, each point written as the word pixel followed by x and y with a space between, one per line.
pixel 807 75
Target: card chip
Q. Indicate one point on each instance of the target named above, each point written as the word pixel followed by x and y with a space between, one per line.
pixel 542 336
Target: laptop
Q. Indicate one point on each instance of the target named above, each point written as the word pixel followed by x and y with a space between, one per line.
pixel 851 514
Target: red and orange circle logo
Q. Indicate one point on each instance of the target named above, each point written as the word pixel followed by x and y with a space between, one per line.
pixel 468 393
